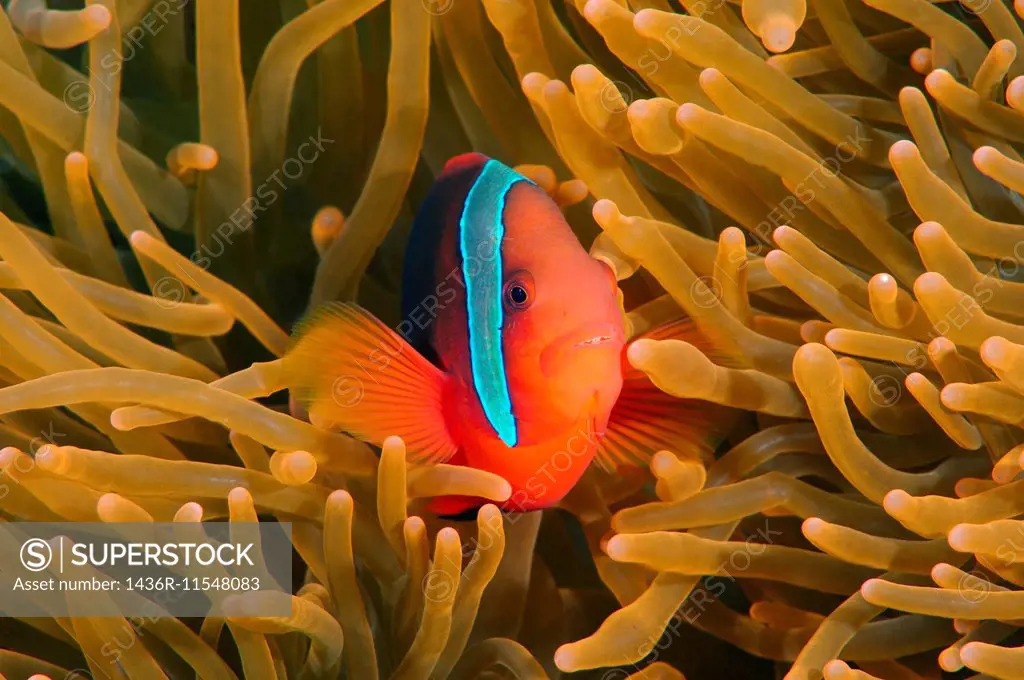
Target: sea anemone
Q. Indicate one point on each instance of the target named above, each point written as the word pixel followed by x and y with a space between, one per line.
pixel 832 193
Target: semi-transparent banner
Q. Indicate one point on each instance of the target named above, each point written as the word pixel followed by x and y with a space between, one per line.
pixel 145 569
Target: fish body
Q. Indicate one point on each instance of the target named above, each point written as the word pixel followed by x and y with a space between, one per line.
pixel 510 354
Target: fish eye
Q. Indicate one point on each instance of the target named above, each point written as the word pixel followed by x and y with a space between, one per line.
pixel 519 293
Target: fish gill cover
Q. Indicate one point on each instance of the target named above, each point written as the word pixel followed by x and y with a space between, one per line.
pixel 829 190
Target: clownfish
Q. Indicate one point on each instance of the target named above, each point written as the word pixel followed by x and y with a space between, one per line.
pixel 511 354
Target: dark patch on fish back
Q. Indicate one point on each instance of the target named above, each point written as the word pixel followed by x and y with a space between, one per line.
pixel 464 516
pixel 420 277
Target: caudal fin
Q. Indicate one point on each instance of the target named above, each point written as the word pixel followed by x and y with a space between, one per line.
pixel 349 369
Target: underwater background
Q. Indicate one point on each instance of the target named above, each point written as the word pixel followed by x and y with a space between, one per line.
pixel 828 188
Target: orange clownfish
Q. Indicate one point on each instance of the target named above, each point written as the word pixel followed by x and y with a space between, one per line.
pixel 510 356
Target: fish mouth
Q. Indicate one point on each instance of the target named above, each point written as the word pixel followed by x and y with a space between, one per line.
pixel 596 340
pixel 589 342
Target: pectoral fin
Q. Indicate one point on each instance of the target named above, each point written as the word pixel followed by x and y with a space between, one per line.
pixel 646 420
pixel 349 369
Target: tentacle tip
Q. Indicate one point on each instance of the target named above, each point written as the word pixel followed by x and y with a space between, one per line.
pixel 687 113
pixel 813 525
pixel 640 352
pixel 915 380
pixel 928 230
pixel 814 352
pixel 952 396
pixel 7 456
pixel 1005 472
pixel 189 512
pixel 835 670
pixel 614 548
pixel 490 511
pixel 583 75
pixel 921 62
pixel 929 282
pixel 448 534
pixel 107 502
pixel 904 149
pixel 939 346
pixel 939 572
pixel 76 159
pixel 341 498
pixel 565 659
pixel 994 351
pixel 783 233
pixel 964 626
pixel 596 10
pixel 588 70
pixel 119 421
pixel 208 157
pixel 896 501
pixel 710 75
pixel 645 19
pixel 662 463
pixel 949 660
pixel 534 81
pixel 937 79
pixel 985 156
pixel 871 590
pixel 908 92
pixel 732 236
pixel 971 653
pixel 638 109
pixel 48 458
pixel 605 211
pixel 778 34
pixel 776 258
pixel 96 17
pixel 554 88
pixel 959 538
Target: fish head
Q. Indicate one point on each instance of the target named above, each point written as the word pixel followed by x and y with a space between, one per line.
pixel 563 331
